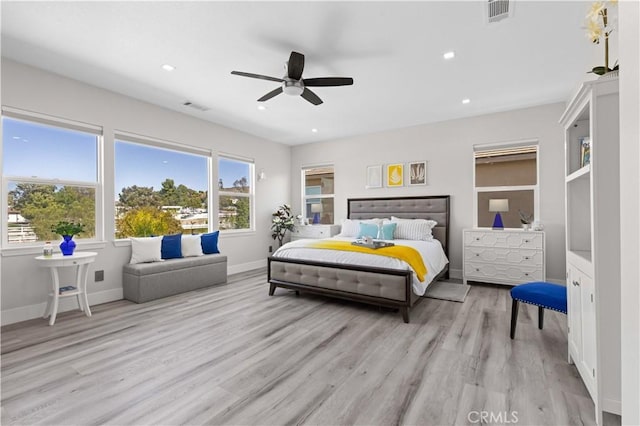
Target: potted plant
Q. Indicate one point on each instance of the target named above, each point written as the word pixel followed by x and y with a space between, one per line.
pixel 67 230
pixel 600 27
pixel 525 220
pixel 281 222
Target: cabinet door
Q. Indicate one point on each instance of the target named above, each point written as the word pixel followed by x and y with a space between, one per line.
pixel 588 325
pixel 574 314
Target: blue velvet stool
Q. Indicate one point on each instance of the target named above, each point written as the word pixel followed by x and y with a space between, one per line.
pixel 543 295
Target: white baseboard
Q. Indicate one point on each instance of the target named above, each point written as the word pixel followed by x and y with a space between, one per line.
pixel 612 406
pixel 244 267
pixel 25 313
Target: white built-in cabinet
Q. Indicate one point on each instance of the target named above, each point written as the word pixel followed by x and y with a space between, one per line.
pixel 593 240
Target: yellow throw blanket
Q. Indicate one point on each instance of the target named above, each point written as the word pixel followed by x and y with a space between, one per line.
pixel 408 254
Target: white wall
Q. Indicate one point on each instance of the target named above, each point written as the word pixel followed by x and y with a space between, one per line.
pixel 24 285
pixel 629 50
pixel 447 147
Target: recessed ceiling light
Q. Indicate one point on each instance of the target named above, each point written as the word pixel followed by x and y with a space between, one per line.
pixel 314 130
pixel 466 101
pixel 168 67
pixel 449 55
pixel 262 107
pixel 165 162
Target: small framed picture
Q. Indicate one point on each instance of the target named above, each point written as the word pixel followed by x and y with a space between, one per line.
pixel 395 175
pixel 418 173
pixel 374 176
pixel 585 151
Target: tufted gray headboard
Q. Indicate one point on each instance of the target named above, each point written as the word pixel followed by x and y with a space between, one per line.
pixel 427 207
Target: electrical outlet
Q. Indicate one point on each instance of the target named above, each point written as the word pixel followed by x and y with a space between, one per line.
pixel 270 249
pixel 99 276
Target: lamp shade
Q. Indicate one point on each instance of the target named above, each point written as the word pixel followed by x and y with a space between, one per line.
pixel 499 205
pixel 316 208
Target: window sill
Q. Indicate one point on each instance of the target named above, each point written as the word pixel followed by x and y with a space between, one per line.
pixel 37 250
pixel 126 242
pixel 237 233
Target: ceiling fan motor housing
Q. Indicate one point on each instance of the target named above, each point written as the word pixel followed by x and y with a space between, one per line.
pixel 292 87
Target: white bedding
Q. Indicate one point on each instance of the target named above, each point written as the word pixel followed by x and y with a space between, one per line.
pixel 432 254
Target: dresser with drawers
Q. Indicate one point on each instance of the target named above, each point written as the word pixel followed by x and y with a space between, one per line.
pixel 507 257
pixel 314 231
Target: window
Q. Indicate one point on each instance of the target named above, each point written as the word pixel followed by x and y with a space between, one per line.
pixel 50 174
pixel 318 194
pixel 235 189
pixel 506 172
pixel 161 188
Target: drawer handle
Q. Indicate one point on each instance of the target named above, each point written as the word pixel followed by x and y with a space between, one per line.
pixel 527 241
pixel 527 258
pixel 526 274
pixel 576 283
pixel 477 254
pixel 477 239
pixel 477 270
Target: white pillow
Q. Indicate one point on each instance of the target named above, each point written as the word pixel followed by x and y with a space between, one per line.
pixel 413 229
pixel 147 249
pixel 351 227
pixel 191 246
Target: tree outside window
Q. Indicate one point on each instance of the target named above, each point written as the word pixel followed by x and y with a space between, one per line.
pixel 235 193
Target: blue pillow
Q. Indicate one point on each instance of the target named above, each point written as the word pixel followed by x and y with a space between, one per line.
pixel 171 246
pixel 209 242
pixel 368 230
pixel 388 229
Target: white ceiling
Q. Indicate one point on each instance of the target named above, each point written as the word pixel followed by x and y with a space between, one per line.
pixel 393 50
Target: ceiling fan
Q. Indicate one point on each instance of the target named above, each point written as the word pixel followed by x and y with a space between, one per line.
pixel 293 83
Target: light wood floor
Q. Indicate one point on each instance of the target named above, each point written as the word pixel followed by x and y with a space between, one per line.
pixel 233 355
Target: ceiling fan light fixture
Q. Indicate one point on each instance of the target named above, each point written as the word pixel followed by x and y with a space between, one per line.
pixel 292 87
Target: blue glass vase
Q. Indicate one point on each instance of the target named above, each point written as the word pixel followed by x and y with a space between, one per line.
pixel 67 246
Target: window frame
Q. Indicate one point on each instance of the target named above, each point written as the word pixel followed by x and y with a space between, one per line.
pixel 250 194
pixel 535 188
pixel 133 138
pixel 97 185
pixel 306 197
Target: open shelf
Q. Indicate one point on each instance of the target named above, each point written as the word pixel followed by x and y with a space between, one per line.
pixel 580 173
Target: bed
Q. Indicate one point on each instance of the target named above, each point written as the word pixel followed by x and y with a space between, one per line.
pixel 388 287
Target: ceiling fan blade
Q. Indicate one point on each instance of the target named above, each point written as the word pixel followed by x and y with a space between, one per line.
pixel 328 81
pixel 311 97
pixel 271 94
pixel 261 77
pixel 295 65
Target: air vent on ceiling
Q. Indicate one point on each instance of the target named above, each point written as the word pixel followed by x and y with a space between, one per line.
pixel 195 106
pixel 497 10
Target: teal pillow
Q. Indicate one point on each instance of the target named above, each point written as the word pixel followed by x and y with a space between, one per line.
pixel 368 230
pixel 388 229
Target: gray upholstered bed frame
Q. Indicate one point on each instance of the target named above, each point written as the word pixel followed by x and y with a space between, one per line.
pixel 378 286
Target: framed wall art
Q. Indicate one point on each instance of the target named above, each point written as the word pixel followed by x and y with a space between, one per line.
pixel 418 173
pixel 395 175
pixel 374 176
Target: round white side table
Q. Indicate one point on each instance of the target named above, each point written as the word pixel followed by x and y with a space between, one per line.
pixel 80 260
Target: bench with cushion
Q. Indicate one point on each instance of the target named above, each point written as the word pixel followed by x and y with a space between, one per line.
pixel 143 282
